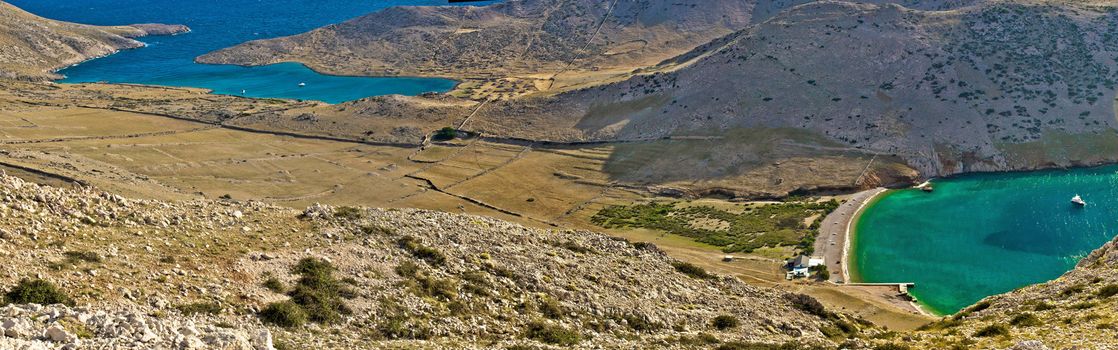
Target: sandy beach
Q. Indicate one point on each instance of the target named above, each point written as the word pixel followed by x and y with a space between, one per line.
pixel 833 241
pixel 834 244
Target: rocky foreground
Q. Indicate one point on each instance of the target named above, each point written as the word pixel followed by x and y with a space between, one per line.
pixel 35 326
pixel 228 274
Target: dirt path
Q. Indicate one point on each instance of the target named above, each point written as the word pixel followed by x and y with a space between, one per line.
pixel 833 242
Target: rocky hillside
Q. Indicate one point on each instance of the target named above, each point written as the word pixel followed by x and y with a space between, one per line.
pixel 945 86
pixel 992 86
pixel 1076 311
pixel 228 274
pixel 508 38
pixel 34 47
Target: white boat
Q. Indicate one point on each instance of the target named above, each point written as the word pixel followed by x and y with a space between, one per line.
pixel 1077 200
pixel 302 84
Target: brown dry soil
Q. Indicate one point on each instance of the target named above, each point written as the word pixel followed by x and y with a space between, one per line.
pixel 145 155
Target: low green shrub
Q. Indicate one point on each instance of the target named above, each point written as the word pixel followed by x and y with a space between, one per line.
pixel 698 340
pixel 445 134
pixel 1043 306
pixel 430 255
pixel 439 288
pixel 552 334
pixel 724 322
pixel 275 285
pixel 551 308
pixel 574 247
pixel 400 328
pixel 1072 290
pixel 1107 291
pixel 36 291
pixel 1025 320
pixel 284 314
pixel 691 270
pixel 477 283
pixel 982 305
pixel 807 304
pixel 349 213
pixel 80 256
pixel 317 297
pixel 377 230
pixel 1083 305
pixel 993 330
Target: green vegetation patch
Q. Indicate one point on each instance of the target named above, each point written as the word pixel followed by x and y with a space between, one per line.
pixel 430 255
pixel 274 284
pixel 691 270
pixel 1107 291
pixel 318 296
pixel 1025 320
pixel 445 134
pixel 993 330
pixel 552 334
pixel 80 256
pixel 36 291
pixel 284 314
pixel 807 304
pixel 724 322
pixel 762 226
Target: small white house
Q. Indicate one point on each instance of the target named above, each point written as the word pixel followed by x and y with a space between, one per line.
pixel 806 262
pixel 801 266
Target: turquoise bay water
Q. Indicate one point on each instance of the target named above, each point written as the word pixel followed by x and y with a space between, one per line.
pixel 216 24
pixel 985 234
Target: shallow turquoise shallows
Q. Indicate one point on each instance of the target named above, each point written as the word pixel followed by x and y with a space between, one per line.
pixel 985 234
pixel 216 24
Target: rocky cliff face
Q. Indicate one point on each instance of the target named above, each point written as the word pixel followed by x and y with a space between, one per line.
pixel 34 47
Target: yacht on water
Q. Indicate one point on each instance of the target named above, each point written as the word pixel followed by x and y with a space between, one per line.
pixel 1077 200
pixel 302 84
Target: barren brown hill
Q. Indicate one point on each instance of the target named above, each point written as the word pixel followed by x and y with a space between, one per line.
pixel 938 87
pixel 510 38
pixel 997 85
pixel 34 47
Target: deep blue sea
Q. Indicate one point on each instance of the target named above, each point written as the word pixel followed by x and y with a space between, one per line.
pixel 216 24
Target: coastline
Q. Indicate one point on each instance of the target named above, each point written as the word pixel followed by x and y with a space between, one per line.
pixel 211 91
pixel 863 200
pixel 848 233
